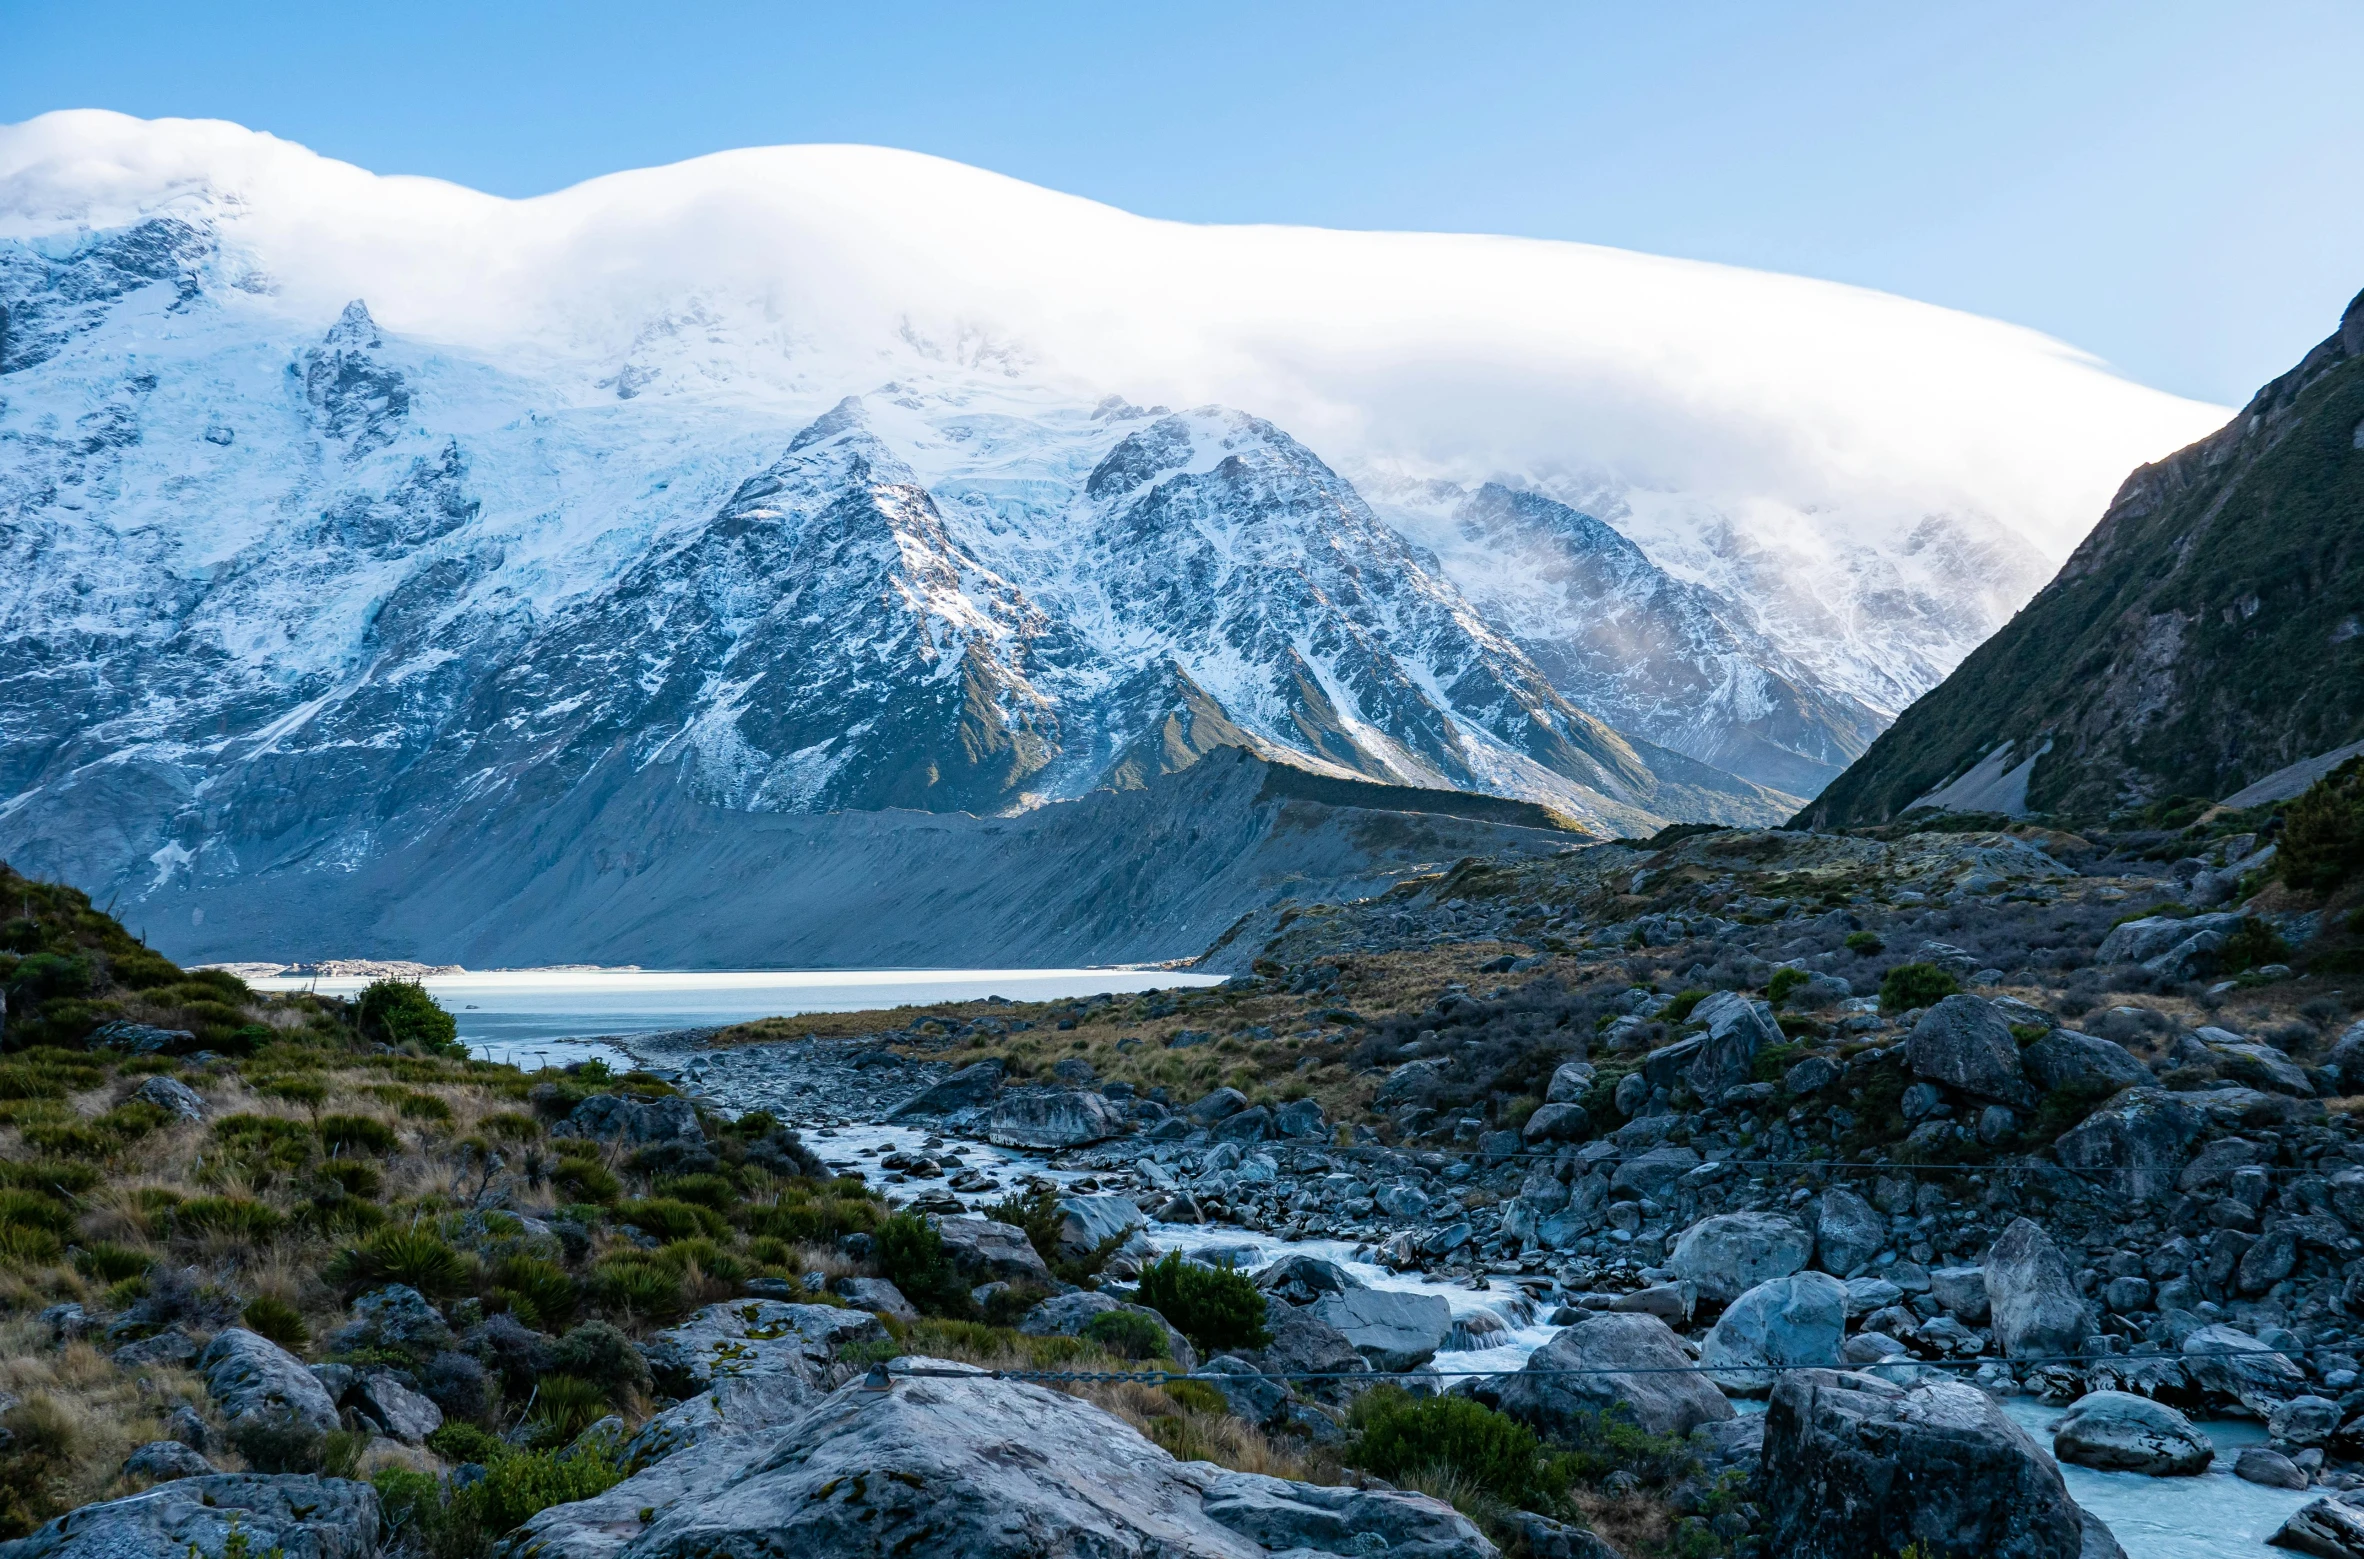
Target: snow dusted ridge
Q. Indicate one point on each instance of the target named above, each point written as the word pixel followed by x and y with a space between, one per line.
pixel 340 512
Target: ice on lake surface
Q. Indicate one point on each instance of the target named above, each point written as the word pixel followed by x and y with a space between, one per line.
pixel 550 1016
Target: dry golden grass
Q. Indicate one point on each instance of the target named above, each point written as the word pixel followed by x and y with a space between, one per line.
pixel 105 1413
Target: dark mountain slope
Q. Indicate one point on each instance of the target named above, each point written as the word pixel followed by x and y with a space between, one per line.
pixel 2209 631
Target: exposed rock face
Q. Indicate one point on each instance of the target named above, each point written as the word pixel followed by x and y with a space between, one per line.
pixel 2065 1058
pixel 989 1252
pixel 749 1337
pixel 1737 1028
pixel 639 1123
pixel 1085 1222
pixel 1800 1319
pixel 395 1409
pixel 170 1094
pixel 2033 1300
pixel 2328 1528
pixel 254 1378
pixel 2135 1145
pixel 965 1089
pixel 160 1461
pixel 1392 1329
pixel 1964 1043
pixel 193 1518
pixel 397 1317
pixel 958 1464
pixel 2241 1369
pixel 1855 1466
pixel 733 1405
pixel 1052 1118
pixel 1848 1233
pixel 1646 1368
pixel 2117 1431
pixel 1730 1253
pixel 1068 1314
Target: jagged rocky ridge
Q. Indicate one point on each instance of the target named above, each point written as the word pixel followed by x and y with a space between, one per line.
pixel 2206 634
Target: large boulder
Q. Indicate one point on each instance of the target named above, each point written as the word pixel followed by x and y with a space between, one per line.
pixel 1392 1329
pixel 2329 1528
pixel 167 1094
pixel 2117 1431
pixel 966 1089
pixel 1087 1222
pixel 1737 1029
pixel 2030 1295
pixel 1795 1320
pixel 1305 1344
pixel 1731 1253
pixel 393 1409
pixel 396 1318
pixel 1052 1118
pixel 1570 1082
pixel 2240 1370
pixel 1856 1466
pixel 161 1461
pixel 953 1462
pixel 1067 1315
pixel 1604 1360
pixel 1653 1174
pixel 1557 1123
pixel 2262 1067
pixel 2065 1058
pixel 2140 941
pixel 635 1123
pixel 682 1456
pixel 757 1337
pixel 255 1380
pixel 2134 1145
pixel 199 1518
pixel 1848 1233
pixel 1964 1043
pixel 989 1252
pixel 733 1405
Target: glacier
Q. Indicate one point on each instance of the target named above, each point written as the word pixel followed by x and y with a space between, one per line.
pixel 350 521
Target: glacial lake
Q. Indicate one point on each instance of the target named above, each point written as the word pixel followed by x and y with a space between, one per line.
pixel 549 1017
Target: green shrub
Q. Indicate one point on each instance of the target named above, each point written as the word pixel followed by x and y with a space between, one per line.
pixel 632 1285
pixel 29 1209
pixel 1908 986
pixel 404 1255
pixel 586 1179
pixel 672 1220
pixel 1865 943
pixel 541 1291
pixel 106 1262
pixel 352 1176
pixel 400 1012
pixel 1398 1434
pixel 280 1321
pixel 423 1107
pixel 2322 844
pixel 1128 1335
pixel 265 1141
pixel 356 1134
pixel 39 1448
pixel 49 1174
pixel 229 1217
pixel 564 1406
pixel 447 1522
pixel 910 1254
pixel 460 1441
pixel 1784 981
pixel 707 1256
pixel 2252 945
pixel 510 1126
pixel 23 1248
pixel 310 1092
pixel 1217 1308
pixel 44 976
pixel 596 1352
pixel 1680 1008
pixel 804 1217
pixel 278 1444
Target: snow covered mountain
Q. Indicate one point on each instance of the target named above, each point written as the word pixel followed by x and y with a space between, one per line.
pixel 339 514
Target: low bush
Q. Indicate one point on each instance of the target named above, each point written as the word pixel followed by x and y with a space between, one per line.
pixel 1398 1435
pixel 2322 843
pixel 672 1220
pixel 273 1317
pixel 1909 986
pixel 630 1284
pixel 2252 945
pixel 1784 981
pixel 816 1216
pixel 1128 1335
pixel 1217 1308
pixel 279 1444
pixel 38 1450
pixel 1680 1007
pixel 596 1352
pixel 228 1217
pixel 356 1134
pixel 708 1191
pixel 106 1262
pixel 539 1291
pixel 563 1406
pixel 401 1255
pixel 586 1179
pixel 440 1520
pixel 401 1013
pixel 910 1254
pixel 1864 944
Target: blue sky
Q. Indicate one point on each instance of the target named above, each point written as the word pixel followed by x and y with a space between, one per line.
pixel 2176 187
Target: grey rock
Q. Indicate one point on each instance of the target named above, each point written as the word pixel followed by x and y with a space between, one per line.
pixel 1304 1344
pixel 1856 1466
pixel 2065 1058
pixel 2329 1528
pixel 2139 941
pixel 1251 1125
pixel 1549 1539
pixel 876 1295
pixel 733 1405
pixel 394 1409
pixel 1737 1029
pixel 1653 1174
pixel 956 1463
pixel 1631 1093
pixel 1392 1329
pixel 161 1461
pixel 1962 1291
pixel 687 1475
pixel 1809 1076
pixel 1867 1295
pixel 2234 1366
pixel 139 1038
pixel 967 1089
pixel 2032 1299
pixel 989 1252
pixel 2116 1431
pixel 1848 1233
pixel 1793 1320
pixel 2261 1464
pixel 1570 1082
pixel 170 1346
pixel 2263 1067
pixel 1557 1123
pixel 1730 1253
pixel 1672 1303
pixel 1221 1103
pixel 396 1318
pixel 1249 1392
pixel 168 1094
pixel 183 1424
pixel 254 1379
pixel 2304 1421
pixel 1634 1359
pixel 756 1337
pixel 2134 1145
pixel 1052 1118
pixel 1067 1315
pixel 1964 1043
pixel 193 1518
pixel 1301 1120
pixel 1086 1222
pixel 637 1123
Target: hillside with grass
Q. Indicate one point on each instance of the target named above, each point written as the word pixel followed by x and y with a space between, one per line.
pixel 2208 632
